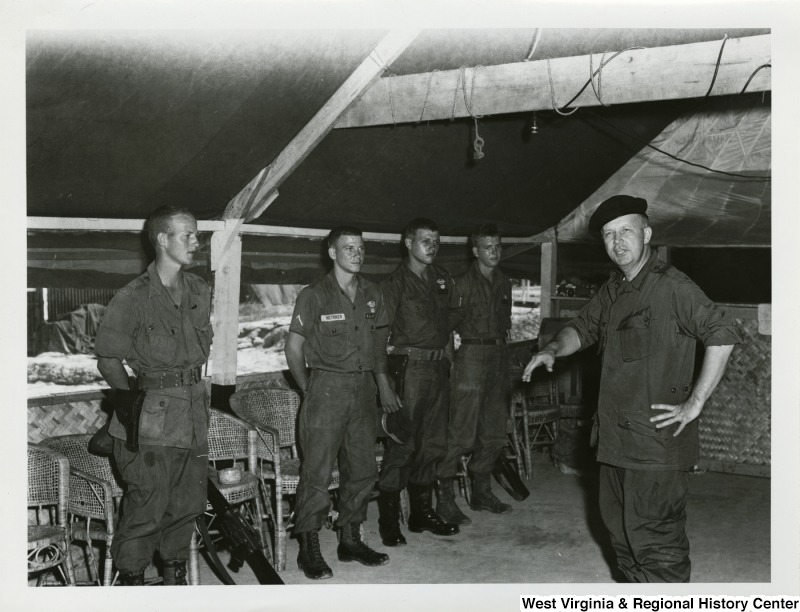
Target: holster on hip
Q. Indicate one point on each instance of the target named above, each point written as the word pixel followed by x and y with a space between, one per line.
pixel 128 408
pixel 396 365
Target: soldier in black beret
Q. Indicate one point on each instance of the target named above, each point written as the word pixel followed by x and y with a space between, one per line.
pixel 646 319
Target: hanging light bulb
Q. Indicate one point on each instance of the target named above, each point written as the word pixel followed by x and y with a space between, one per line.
pixel 534 124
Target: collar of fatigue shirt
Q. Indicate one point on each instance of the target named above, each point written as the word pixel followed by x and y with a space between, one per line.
pixel 156 287
pixel 338 289
pixel 497 275
pixel 638 280
pixel 425 282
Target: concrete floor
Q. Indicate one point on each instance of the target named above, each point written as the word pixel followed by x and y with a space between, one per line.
pixel 555 536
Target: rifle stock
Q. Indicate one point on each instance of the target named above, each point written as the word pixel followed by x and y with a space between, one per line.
pixel 245 545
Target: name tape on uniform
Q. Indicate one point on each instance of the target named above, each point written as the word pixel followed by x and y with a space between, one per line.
pixel 332 317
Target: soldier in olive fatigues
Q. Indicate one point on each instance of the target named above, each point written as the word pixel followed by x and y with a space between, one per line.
pixel 481 314
pixel 646 320
pixel 333 330
pixel 417 296
pixel 159 325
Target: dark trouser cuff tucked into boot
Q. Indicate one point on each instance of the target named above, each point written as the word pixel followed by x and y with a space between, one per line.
pixel 422 517
pixel 310 558
pixel 175 572
pixel 447 508
pixel 353 548
pixel 483 498
pixel 389 518
pixel 131 578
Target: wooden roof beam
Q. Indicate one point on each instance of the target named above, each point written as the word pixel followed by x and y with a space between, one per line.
pixel 66 224
pixel 639 75
pixel 251 202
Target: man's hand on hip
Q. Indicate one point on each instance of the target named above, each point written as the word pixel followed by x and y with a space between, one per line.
pixel 683 414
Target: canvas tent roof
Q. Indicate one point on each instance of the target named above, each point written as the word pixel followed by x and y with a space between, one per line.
pixel 119 122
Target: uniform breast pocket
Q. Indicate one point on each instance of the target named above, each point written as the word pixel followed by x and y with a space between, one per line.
pixel 637 335
pixel 162 344
pixel 202 328
pixel 204 334
pixel 333 336
pixel 480 321
pixel 414 308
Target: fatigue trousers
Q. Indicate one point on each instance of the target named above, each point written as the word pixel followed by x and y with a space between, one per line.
pixel 425 399
pixel 478 408
pixel 166 492
pixel 645 514
pixel 336 420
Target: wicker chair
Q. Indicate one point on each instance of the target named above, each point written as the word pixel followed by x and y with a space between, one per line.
pixel 48 534
pixel 535 412
pixel 233 441
pixel 273 412
pixel 94 502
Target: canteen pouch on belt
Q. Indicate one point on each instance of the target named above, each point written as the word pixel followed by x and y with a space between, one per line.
pixel 397 372
pixel 506 475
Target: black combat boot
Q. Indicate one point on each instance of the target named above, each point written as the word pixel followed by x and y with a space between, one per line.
pixel 389 518
pixel 310 558
pixel 175 572
pixel 446 507
pixel 352 548
pixel 131 578
pixel 482 496
pixel 422 517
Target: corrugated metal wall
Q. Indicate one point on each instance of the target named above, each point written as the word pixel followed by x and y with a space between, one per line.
pixel 62 301
pixel 59 302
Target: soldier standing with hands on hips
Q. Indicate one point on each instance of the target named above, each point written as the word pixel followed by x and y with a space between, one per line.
pixel 646 320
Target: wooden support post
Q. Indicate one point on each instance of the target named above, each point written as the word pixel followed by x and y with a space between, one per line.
pixel 664 253
pixel 226 263
pixel 549 272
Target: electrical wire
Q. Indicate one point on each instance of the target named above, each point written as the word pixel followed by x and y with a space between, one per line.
pixel 599 68
pixel 716 68
pixel 537 35
pixel 553 95
pixel 679 159
pixel 755 72
pixel 391 100
pixel 427 93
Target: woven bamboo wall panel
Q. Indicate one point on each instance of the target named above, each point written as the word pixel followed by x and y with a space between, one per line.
pixel 62 419
pixel 735 424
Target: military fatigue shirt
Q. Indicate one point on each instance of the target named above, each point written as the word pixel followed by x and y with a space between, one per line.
pixel 144 328
pixel 481 308
pixel 339 334
pixel 646 331
pixel 417 310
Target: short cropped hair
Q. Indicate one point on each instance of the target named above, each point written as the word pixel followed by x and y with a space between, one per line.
pixel 159 221
pixel 484 230
pixel 420 223
pixel 342 230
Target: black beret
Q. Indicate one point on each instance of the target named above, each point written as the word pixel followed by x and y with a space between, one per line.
pixel 613 207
